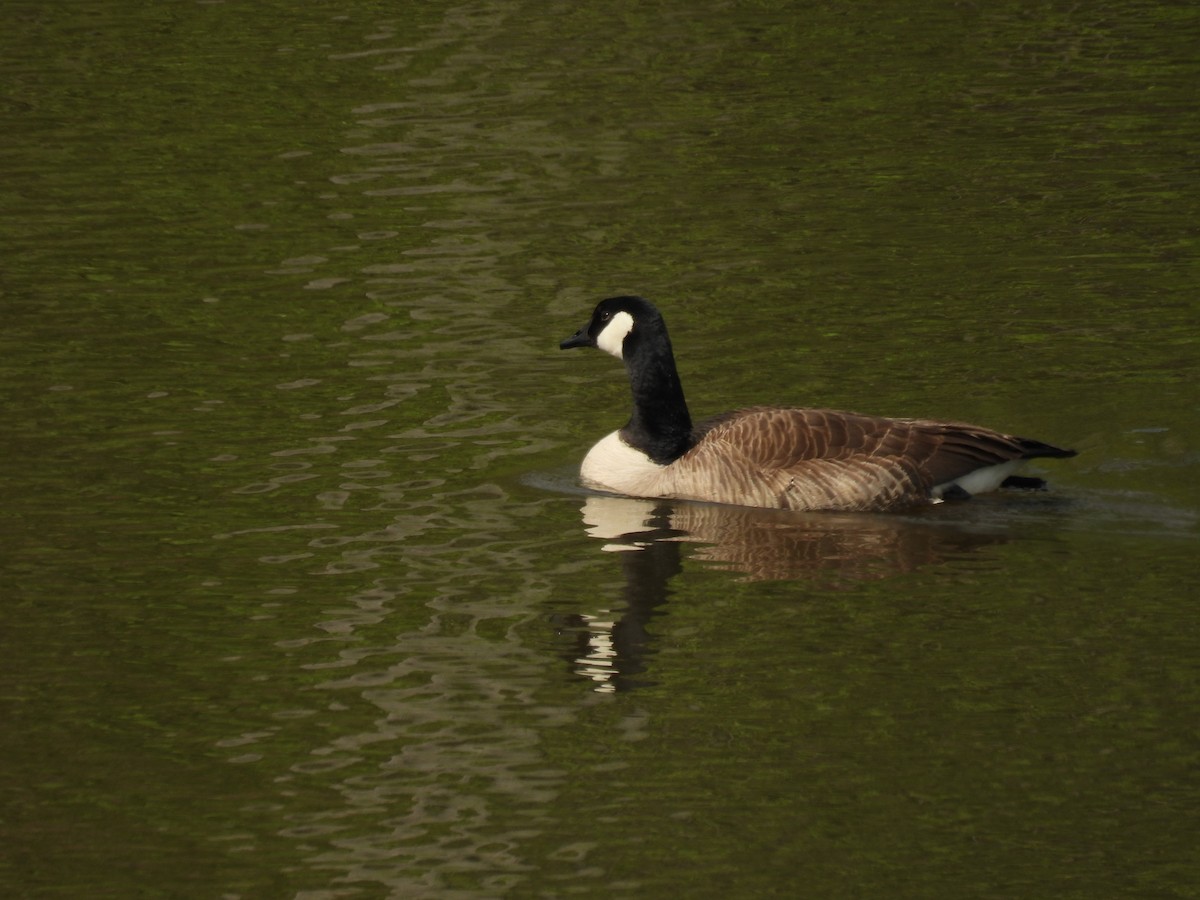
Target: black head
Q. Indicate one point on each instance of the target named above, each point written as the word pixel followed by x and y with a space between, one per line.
pixel 613 322
pixel 631 329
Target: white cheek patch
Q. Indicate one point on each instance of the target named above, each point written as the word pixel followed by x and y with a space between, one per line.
pixel 612 338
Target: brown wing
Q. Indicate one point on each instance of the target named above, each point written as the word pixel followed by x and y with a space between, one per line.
pixel 819 458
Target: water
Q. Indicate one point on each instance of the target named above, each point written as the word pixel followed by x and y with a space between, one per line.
pixel 300 597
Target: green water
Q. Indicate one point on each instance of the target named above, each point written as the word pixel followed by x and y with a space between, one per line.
pixel 298 597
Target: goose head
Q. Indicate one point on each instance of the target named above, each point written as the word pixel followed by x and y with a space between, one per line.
pixel 619 325
pixel 632 330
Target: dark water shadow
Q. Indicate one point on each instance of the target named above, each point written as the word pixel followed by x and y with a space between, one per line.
pixel 782 545
pixel 651 539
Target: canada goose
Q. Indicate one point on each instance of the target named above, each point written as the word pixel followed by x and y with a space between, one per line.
pixel 805 459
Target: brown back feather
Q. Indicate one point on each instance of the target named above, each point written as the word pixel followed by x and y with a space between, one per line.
pixel 921 452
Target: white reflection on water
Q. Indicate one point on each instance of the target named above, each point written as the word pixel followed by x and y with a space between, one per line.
pixel 650 539
pixel 772 545
pixel 829 550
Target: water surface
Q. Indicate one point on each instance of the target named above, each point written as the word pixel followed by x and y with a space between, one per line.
pixel 300 595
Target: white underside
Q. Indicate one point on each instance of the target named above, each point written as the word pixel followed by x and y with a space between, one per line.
pixel 980 481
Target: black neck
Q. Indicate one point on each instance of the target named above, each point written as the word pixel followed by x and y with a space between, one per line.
pixel 660 425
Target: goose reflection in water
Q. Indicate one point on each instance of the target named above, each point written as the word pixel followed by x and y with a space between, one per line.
pixel 830 550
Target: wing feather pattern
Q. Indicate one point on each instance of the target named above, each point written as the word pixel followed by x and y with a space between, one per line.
pixel 826 459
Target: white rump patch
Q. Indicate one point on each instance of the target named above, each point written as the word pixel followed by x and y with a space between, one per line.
pixel 612 338
pixel 981 480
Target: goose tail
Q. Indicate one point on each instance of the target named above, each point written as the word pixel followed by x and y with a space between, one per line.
pixel 1031 449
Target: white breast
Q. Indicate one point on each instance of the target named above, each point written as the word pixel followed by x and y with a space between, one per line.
pixel 615 466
